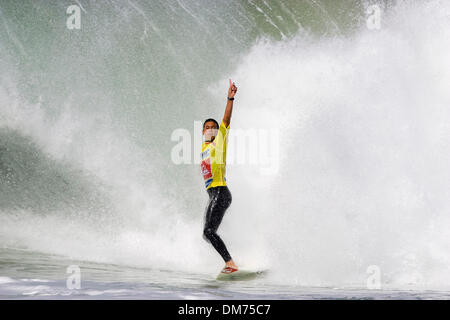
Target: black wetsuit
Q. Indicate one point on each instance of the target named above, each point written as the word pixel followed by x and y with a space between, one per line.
pixel 219 201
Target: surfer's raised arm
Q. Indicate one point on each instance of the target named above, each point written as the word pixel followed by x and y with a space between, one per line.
pixel 229 108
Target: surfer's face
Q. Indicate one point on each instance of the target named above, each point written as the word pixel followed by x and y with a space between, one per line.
pixel 210 131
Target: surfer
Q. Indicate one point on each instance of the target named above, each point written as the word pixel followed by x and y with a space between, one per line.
pixel 214 149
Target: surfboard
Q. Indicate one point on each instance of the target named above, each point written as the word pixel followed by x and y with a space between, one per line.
pixel 241 275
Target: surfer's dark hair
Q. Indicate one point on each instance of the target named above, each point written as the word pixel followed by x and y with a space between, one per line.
pixel 208 120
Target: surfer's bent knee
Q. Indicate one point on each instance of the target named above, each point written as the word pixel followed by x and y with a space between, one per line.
pixel 207 233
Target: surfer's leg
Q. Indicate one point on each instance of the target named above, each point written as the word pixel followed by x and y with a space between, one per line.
pixel 219 201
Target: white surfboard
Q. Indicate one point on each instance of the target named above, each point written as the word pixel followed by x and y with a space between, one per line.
pixel 241 275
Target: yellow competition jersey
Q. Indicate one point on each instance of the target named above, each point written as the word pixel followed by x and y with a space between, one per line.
pixel 214 157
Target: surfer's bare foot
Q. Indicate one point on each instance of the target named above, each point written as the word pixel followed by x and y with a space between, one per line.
pixel 231 264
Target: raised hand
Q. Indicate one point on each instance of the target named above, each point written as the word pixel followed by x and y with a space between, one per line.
pixel 229 108
pixel 231 90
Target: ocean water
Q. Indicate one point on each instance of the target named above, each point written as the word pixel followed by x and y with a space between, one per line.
pixel 34 275
pixel 356 119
